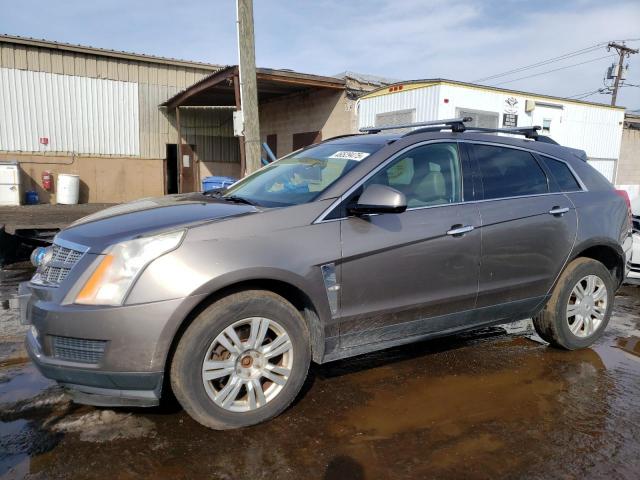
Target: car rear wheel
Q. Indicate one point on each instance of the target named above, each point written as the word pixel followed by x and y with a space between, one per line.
pixel 242 360
pixel 579 308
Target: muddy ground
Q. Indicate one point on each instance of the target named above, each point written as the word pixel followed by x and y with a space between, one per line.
pixel 497 403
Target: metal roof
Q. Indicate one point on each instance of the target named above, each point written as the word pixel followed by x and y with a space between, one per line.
pixel 440 81
pixel 40 43
pixel 217 89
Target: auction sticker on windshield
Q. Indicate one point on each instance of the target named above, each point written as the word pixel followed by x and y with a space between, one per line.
pixel 346 155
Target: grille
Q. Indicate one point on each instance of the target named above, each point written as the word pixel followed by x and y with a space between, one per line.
pixel 78 349
pixel 65 255
pixel 62 260
pixel 636 224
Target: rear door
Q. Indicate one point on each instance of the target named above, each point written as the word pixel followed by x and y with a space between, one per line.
pixel 528 229
pixel 409 274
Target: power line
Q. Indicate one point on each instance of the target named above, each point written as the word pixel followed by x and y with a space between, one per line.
pixel 544 62
pixel 578 96
pixel 554 70
pixel 559 58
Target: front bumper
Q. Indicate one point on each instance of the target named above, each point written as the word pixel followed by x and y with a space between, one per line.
pixel 134 342
pixel 97 387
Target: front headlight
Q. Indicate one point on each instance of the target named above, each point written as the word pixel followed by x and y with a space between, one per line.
pixel 121 265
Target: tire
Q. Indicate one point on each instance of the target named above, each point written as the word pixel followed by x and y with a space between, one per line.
pixel 583 329
pixel 204 392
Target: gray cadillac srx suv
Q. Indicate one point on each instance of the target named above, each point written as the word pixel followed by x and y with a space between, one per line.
pixel 351 245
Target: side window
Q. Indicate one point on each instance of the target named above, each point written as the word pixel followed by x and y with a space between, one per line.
pixel 562 175
pixel 507 172
pixel 427 175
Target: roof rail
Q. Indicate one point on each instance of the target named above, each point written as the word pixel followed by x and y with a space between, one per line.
pixel 528 132
pixel 456 125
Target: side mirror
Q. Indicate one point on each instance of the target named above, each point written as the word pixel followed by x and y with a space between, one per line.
pixel 379 199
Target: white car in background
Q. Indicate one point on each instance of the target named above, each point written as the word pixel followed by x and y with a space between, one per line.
pixel 634 273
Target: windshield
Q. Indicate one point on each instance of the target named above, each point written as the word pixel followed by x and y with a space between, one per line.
pixel 302 176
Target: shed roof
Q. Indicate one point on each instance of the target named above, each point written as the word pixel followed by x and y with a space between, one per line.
pixel 217 89
pixel 34 42
pixel 413 84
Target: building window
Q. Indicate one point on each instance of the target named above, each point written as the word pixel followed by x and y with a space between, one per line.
pixel 546 125
pixel 479 118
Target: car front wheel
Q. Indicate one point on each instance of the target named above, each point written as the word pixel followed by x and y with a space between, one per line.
pixel 579 308
pixel 241 361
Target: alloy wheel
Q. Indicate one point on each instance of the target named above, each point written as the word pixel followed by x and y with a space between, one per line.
pixel 248 364
pixel 587 306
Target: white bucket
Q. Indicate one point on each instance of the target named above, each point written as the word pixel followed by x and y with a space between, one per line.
pixel 68 189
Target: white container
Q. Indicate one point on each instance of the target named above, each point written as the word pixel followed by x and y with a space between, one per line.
pixel 9 183
pixel 68 189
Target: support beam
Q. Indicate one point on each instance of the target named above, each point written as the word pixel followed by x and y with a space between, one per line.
pixel 248 86
pixel 179 151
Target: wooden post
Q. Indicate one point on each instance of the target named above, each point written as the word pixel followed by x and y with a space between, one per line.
pixel 248 85
pixel 236 89
pixel 179 150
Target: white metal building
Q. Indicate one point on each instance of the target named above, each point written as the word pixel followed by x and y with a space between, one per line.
pixel 592 127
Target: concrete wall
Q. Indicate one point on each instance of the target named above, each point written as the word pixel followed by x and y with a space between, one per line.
pixel 327 111
pixel 629 163
pixel 102 180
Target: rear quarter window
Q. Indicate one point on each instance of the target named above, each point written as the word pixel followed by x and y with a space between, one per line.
pixel 561 173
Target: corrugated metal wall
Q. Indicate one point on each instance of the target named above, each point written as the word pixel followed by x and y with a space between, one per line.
pixel 156 82
pixel 423 100
pixel 211 130
pixel 75 114
pixel 592 128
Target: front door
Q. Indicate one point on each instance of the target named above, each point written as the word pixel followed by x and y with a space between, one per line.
pixel 528 230
pixel 409 274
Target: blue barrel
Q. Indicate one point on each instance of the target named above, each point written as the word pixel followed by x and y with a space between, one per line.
pixel 31 198
pixel 211 183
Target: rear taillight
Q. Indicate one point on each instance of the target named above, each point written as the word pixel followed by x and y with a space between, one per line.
pixel 625 196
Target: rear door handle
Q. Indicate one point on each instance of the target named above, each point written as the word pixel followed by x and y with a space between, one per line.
pixel 558 211
pixel 459 230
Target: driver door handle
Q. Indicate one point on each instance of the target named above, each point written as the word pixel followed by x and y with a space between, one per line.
pixel 460 230
pixel 558 211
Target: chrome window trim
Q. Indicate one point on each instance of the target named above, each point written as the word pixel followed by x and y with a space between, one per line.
pixel 355 186
pixel 341 198
pixel 534 152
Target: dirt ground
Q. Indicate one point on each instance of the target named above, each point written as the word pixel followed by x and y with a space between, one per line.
pixel 496 403
pixel 45 216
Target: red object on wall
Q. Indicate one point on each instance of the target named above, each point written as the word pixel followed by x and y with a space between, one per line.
pixel 44 140
pixel 47 180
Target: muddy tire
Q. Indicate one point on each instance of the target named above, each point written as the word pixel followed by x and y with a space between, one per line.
pixel 241 361
pixel 580 306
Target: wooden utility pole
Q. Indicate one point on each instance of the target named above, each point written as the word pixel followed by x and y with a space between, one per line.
pixel 248 85
pixel 623 52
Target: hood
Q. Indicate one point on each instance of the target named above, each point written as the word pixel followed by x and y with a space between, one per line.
pixel 149 215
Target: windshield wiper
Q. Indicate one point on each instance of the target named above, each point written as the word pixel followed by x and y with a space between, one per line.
pixel 236 199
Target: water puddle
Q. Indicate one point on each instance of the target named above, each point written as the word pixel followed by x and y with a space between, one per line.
pixel 493 403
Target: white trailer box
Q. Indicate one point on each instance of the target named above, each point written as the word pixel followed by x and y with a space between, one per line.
pixel 9 183
pixel 592 127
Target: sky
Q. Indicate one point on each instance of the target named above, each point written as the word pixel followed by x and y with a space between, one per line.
pixel 401 39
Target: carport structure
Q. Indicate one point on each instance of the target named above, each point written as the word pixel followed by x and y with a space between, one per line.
pixel 211 101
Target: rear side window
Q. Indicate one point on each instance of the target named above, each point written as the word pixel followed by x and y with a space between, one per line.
pixel 562 175
pixel 507 172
